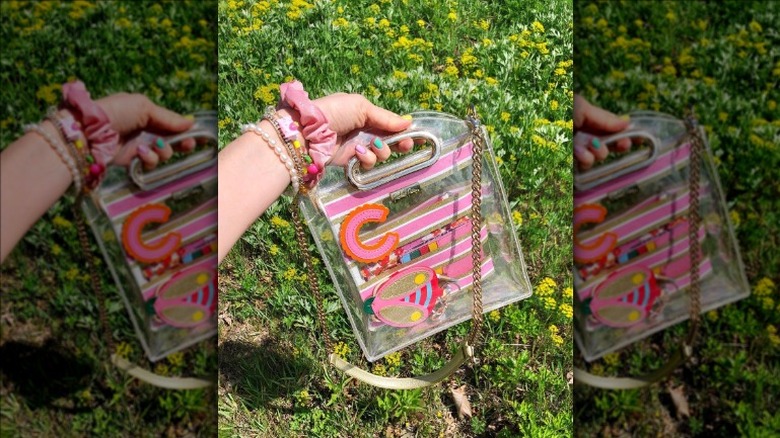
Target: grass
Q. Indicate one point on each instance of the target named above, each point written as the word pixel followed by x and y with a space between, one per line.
pixel 723 59
pixel 513 61
pixel 55 376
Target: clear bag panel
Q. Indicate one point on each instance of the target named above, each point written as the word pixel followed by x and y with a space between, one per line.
pixel 400 255
pixel 632 265
pixel 159 242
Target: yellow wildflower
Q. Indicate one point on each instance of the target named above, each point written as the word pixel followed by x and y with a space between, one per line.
pixel 495 315
pixel 755 26
pixel 274 249
pixel 734 215
pixel 380 370
pixel 341 349
pixel 612 359
pixel 537 27
pixel 393 359
pixel 452 16
pixel 554 105
pixel 61 222
pixel 123 349
pixel 279 222
pixel 266 93
pixel 400 75
pixel 290 273
pixel 567 310
pixel 764 287
pixel 176 359
pixel 340 22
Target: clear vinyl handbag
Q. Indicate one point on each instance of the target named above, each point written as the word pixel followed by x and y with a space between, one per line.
pixel 401 242
pixel 653 244
pixel 157 232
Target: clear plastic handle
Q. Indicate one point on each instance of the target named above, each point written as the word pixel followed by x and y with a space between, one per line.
pixel 205 127
pixel 410 163
pixel 631 162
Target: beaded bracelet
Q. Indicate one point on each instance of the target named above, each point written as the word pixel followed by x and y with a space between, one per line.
pixel 308 170
pixel 60 149
pixel 76 141
pixel 287 161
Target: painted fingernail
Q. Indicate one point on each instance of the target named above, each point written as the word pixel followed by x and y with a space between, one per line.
pixel 159 143
pixel 143 150
pixel 407 116
pixel 378 143
pixel 360 149
pixel 596 143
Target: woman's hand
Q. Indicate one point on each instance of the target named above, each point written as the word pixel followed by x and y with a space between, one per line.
pixel 589 122
pixel 132 113
pixel 349 113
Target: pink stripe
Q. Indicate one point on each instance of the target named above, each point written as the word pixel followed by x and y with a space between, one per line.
pixel 206 221
pixel 436 259
pixel 684 280
pixel 641 224
pixel 357 197
pixel 423 223
pixel 208 262
pixel 651 261
pixel 662 164
pixel 135 200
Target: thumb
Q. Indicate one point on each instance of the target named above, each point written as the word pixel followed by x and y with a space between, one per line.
pixel 384 120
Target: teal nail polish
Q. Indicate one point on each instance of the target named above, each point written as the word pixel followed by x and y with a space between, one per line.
pixel 159 143
pixel 596 143
pixel 378 143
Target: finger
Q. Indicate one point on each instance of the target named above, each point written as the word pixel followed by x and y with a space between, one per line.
pixel 584 157
pixel 379 148
pixel 382 119
pixel 623 145
pixel 186 145
pixel 598 149
pixel 595 119
pixel 164 120
pixel 147 156
pixel 587 151
pixel 162 149
pixel 366 157
pixel 403 146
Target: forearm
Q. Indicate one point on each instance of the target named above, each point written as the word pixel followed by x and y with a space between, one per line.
pixel 251 178
pixel 32 178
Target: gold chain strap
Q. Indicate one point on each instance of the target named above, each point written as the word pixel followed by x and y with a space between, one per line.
pixel 694 218
pixel 476 227
pixel 94 276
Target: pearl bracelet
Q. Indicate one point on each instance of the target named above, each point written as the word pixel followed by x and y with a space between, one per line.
pixel 279 150
pixel 61 151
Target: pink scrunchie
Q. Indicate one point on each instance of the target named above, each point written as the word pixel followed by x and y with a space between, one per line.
pixel 103 140
pixel 322 140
